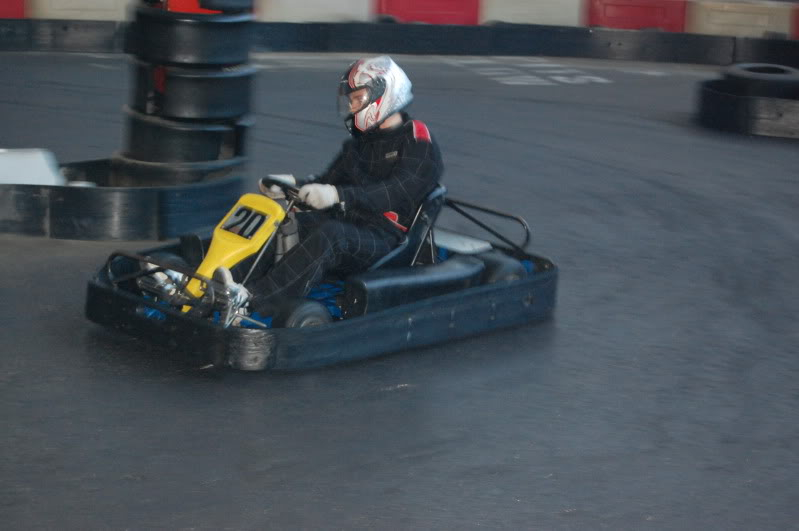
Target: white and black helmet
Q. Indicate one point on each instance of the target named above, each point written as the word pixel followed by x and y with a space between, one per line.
pixel 388 91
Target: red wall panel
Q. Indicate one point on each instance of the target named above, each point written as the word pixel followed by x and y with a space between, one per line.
pixel 12 8
pixel 668 15
pixel 186 6
pixel 464 12
pixel 795 24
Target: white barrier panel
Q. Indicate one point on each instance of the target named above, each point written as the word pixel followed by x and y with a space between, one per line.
pixel 548 12
pixel 29 166
pixel 77 9
pixel 739 19
pixel 313 10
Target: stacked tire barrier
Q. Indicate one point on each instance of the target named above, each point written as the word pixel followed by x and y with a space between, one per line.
pixel 752 98
pixel 188 119
pixel 187 123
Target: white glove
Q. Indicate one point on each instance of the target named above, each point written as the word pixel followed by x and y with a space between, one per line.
pixel 274 191
pixel 319 196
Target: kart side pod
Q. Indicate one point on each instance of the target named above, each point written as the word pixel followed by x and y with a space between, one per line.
pixel 385 288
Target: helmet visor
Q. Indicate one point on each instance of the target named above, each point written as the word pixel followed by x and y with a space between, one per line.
pixel 353 102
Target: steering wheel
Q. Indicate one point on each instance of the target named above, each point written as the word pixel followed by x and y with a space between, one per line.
pixel 291 192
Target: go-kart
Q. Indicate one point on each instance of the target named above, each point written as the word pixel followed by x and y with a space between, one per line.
pixel 436 285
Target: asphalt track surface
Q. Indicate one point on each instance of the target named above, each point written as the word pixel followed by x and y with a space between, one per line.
pixel 663 395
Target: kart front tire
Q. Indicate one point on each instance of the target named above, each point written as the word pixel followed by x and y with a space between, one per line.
pixel 165 259
pixel 300 313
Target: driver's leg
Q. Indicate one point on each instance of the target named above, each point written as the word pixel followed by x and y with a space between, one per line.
pixel 332 244
pixel 307 222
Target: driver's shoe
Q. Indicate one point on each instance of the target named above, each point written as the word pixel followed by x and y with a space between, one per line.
pixel 263 187
pixel 237 298
pixel 272 191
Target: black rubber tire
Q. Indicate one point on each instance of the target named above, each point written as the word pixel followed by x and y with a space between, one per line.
pixel 119 267
pixel 721 108
pixel 299 313
pixel 153 139
pixel 163 258
pixel 763 80
pixel 170 37
pixel 193 93
pixel 500 267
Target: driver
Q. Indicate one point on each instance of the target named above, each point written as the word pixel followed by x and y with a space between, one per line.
pixel 376 182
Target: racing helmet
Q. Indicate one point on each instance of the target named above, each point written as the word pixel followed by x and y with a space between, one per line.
pixel 387 91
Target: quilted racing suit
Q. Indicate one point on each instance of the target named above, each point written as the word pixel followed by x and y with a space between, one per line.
pixel 381 176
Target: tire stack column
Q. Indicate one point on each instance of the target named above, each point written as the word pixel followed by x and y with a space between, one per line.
pixel 754 99
pixel 188 114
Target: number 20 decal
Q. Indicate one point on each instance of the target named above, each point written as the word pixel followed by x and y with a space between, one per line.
pixel 245 222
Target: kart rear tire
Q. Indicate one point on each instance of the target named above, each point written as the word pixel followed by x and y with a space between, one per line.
pixel 299 313
pixel 500 267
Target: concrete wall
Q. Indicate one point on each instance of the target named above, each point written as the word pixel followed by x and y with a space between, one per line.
pixel 548 12
pixel 77 9
pixel 742 19
pixel 313 10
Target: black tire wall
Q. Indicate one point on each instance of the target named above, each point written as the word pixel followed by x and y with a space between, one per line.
pixel 187 119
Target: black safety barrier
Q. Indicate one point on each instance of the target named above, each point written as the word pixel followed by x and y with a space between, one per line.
pixel 132 172
pixel 513 39
pixel 114 213
pixel 78 35
pixel 611 44
pixel 779 51
pixel 227 6
pixel 41 35
pixel 496 39
pixel 16 35
pixel 194 93
pixel 518 39
pixel 722 106
pixel 290 37
pixel 408 39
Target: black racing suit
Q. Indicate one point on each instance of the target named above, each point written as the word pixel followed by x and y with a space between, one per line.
pixel 377 174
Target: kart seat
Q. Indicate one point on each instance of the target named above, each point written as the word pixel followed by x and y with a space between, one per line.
pixel 420 231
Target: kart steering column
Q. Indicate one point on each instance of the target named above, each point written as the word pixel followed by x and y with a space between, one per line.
pixel 292 199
